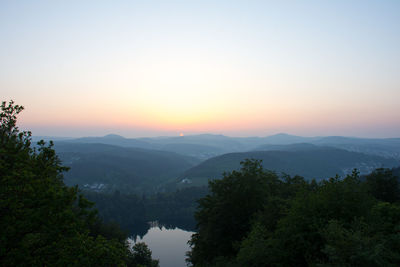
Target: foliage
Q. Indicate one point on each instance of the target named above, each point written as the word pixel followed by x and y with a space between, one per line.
pixel 133 212
pixel 384 185
pixel 252 218
pixel 224 216
pixel 43 222
pixel 142 256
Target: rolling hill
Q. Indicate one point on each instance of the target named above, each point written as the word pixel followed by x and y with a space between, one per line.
pixel 306 160
pixel 205 146
pixel 153 164
pixel 103 167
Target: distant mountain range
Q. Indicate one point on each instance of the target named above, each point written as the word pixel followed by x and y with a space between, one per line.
pixel 205 146
pixel 148 164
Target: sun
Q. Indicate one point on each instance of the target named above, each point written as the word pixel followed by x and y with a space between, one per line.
pixel 181 134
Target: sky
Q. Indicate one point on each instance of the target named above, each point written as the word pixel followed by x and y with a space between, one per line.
pixel 239 68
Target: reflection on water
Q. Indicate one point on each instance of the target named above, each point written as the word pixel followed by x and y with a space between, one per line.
pixel 167 245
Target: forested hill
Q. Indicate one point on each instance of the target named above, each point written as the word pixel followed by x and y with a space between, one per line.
pixel 205 146
pixel 106 168
pixel 317 162
pixel 148 165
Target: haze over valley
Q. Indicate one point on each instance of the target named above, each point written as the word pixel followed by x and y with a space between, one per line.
pixel 150 165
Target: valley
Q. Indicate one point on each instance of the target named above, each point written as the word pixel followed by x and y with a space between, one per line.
pixel 164 164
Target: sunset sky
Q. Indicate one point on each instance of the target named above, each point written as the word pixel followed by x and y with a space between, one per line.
pixel 239 68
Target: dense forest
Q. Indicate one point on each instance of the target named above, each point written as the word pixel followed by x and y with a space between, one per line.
pixel 253 217
pixel 45 223
pixel 133 212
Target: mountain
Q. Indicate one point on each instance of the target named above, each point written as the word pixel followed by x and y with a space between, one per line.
pixel 386 147
pixel 309 161
pixel 148 164
pixel 113 139
pixel 194 150
pixel 199 146
pixel 290 147
pixel 204 146
pixel 217 141
pixel 102 167
pixel 285 139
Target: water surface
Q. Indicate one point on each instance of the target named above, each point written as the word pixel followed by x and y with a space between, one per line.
pixel 167 245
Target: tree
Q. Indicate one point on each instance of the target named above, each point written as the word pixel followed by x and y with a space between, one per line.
pixel 383 185
pixel 336 224
pixel 142 256
pixel 224 216
pixel 43 222
pixel 253 218
pixel 297 239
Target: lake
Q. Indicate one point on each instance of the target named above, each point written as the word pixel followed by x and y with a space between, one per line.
pixel 167 245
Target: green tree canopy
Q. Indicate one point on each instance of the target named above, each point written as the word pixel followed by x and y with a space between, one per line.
pixel 252 217
pixel 43 222
pixel 224 216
